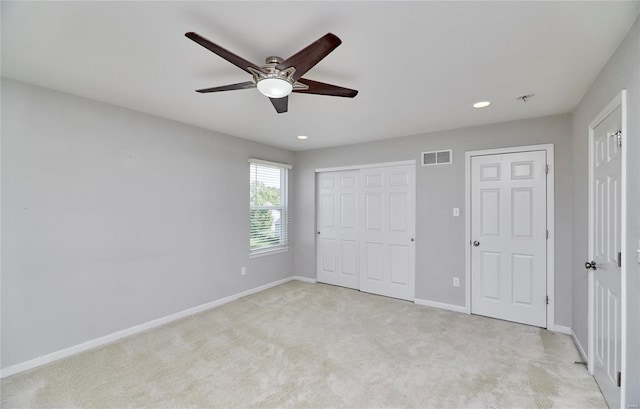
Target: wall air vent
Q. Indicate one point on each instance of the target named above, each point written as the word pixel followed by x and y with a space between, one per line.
pixel 444 157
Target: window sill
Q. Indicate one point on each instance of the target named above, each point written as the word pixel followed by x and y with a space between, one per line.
pixel 261 253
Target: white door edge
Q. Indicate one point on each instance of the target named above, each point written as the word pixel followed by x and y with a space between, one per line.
pixel 550 221
pixel 369 165
pixel 620 100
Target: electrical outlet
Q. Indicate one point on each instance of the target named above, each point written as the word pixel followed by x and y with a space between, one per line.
pixel 243 270
pixel 456 211
pixel 456 282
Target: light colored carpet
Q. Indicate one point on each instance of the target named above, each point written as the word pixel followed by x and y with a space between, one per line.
pixel 313 345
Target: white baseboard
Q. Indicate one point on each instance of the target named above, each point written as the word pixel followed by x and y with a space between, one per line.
pixel 54 356
pixel 442 306
pixel 458 308
pixel 561 329
pixel 305 279
pixel 579 346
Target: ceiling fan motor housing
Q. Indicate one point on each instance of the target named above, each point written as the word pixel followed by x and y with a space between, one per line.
pixel 268 71
pixel 273 60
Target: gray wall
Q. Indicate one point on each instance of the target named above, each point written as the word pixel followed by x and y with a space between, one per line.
pixel 112 218
pixel 440 237
pixel 621 72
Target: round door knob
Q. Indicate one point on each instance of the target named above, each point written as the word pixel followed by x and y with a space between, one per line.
pixel 476 243
pixel 590 265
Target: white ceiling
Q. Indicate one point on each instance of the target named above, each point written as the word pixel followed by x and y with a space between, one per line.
pixel 418 65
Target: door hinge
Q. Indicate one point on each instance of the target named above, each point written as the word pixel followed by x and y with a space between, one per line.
pixel 619 378
pixel 547 299
pixel 619 259
pixel 546 169
pixel 618 136
pixel 547 234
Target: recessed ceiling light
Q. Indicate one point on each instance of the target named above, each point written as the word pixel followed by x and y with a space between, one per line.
pixel 303 137
pixel 481 104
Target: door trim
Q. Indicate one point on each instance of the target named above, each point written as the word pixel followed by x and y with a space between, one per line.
pixel 620 100
pixel 369 165
pixel 550 222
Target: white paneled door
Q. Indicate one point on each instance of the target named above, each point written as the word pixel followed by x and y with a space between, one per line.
pixel 605 251
pixel 387 245
pixel 509 234
pixel 366 229
pixel 338 228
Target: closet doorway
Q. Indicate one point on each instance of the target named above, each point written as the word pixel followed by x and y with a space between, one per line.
pixel 366 228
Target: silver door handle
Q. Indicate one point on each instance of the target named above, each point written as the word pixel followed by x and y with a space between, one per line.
pixel 476 243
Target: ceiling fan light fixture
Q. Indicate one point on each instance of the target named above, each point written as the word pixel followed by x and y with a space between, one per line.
pixel 274 87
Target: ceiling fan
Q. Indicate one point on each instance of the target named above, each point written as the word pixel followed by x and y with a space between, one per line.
pixel 277 78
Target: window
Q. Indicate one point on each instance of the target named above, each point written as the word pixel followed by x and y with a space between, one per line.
pixel 269 215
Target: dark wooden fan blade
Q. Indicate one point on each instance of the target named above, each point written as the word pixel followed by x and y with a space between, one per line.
pixel 321 88
pixel 280 104
pixel 309 56
pixel 226 54
pixel 231 87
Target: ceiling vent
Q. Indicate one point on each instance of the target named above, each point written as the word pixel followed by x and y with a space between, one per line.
pixel 444 157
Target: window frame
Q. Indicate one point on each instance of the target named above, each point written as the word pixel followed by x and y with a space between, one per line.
pixel 283 208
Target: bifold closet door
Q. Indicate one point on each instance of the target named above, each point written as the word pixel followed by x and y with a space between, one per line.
pixel 387 236
pixel 338 228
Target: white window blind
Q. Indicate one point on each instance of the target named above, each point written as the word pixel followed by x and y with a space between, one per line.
pixel 268 202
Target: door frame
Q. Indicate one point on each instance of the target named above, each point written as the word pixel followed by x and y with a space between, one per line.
pixel 548 148
pixel 369 165
pixel 620 100
pixel 360 167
